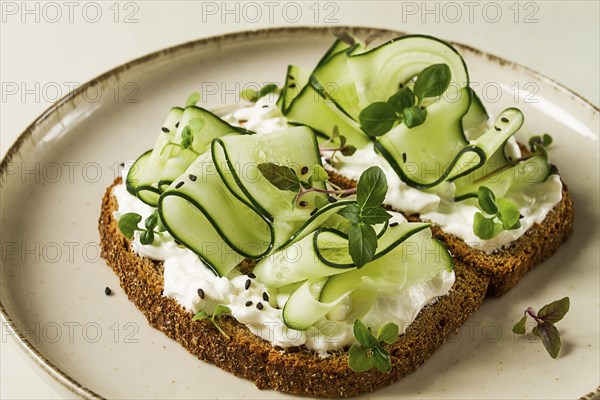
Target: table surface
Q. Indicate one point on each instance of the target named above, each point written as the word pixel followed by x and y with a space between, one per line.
pixel 46 49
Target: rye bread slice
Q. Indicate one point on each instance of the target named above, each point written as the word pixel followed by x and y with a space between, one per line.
pixel 508 265
pixel 298 370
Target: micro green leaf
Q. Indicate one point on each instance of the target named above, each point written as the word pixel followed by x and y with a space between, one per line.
pixel 508 213
pixel 152 221
pixel 359 360
pixel 221 310
pixel 362 243
pixel 432 81
pixel 371 188
pixel 402 99
pixel 554 311
pixel 192 99
pixel 370 192
pixel 374 215
pixel 280 176
pixel 538 144
pixel 377 118
pixel 519 327
pixel 186 137
pixel 370 353
pixel 351 212
pixel 550 338
pixel 487 200
pixel 363 334
pixel 388 333
pixel 200 315
pixel 414 116
pixel 128 223
pixel 147 237
pixel 267 89
pixel 485 228
pixel 381 359
pixel 545 328
pixel 502 209
pixel 249 94
pixel 319 174
pixel 348 150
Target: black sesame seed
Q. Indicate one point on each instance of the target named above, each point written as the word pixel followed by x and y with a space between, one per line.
pixel 177 125
pixel 107 291
pixel 291 77
pixel 504 119
pixel 498 129
pixel 200 293
pixel 265 296
pixel 400 85
pixel 393 224
pixel 248 303
pixel 122 164
pixel 313 212
pixel 192 177
pixel 303 203
pixel 165 129
pixel 403 157
pixel 180 184
pixel 304 170
pixel 259 305
pixel 251 275
pixel 247 285
pixel 292 85
pixel 331 199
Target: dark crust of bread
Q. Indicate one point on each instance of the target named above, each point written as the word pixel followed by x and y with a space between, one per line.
pixel 508 265
pixel 296 371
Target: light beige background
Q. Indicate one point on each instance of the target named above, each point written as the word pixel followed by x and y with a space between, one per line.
pixel 48 48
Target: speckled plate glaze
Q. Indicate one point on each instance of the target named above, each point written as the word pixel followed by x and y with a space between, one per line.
pixel 52 279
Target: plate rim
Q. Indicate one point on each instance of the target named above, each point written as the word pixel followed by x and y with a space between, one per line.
pixel 39 359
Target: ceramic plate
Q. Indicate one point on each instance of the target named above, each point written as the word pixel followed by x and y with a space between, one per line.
pixel 53 279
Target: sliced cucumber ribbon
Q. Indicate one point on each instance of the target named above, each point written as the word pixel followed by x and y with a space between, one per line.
pixel 223 201
pixel 152 173
pixel 437 150
pixel 344 82
pixel 201 213
pixel 328 98
pixel 397 61
pixel 416 258
pixel 325 253
pixel 303 309
pixel 506 178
